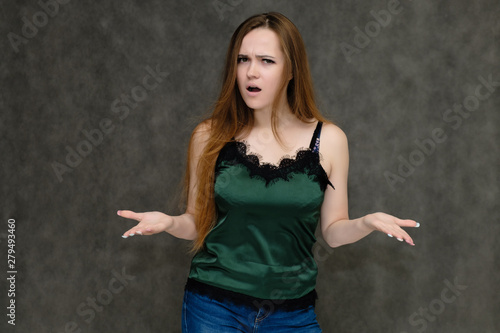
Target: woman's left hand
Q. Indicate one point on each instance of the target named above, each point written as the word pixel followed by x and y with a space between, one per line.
pixel 390 225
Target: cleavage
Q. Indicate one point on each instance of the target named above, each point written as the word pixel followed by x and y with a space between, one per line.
pixel 277 156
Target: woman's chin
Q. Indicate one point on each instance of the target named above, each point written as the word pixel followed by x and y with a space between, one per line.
pixel 255 106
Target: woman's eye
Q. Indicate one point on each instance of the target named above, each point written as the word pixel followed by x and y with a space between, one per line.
pixel 266 61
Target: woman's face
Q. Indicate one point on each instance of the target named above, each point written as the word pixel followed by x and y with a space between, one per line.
pixel 260 69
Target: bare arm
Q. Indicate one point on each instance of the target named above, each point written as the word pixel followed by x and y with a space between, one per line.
pixel 151 223
pixel 336 227
pixel 182 226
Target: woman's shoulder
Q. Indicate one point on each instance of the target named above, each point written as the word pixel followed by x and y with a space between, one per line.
pixel 333 135
pixel 201 134
pixel 203 126
pixel 333 147
pixel 202 130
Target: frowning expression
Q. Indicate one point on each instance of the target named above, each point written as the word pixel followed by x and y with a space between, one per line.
pixel 261 63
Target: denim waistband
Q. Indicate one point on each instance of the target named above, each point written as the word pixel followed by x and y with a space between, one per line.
pixel 228 296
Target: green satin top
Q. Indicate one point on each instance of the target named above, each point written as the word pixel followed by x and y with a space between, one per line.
pixel 261 245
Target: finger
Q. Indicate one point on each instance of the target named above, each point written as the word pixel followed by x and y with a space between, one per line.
pixel 145 231
pixel 128 214
pixel 408 240
pixel 401 236
pixel 129 233
pixel 408 223
pixel 397 237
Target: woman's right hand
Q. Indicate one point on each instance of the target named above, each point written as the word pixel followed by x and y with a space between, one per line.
pixel 149 222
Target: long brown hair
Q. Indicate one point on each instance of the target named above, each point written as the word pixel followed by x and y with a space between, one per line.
pixel 231 115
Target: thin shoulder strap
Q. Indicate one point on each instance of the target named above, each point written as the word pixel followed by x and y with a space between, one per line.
pixel 314 145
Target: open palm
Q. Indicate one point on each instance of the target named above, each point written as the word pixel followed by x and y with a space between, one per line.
pixel 149 222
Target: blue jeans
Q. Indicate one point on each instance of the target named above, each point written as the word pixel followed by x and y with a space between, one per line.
pixel 200 314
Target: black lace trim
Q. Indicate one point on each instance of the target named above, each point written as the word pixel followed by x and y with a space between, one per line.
pixel 305 161
pixel 238 299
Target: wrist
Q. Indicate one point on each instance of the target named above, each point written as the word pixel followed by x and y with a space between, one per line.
pixel 169 223
pixel 367 222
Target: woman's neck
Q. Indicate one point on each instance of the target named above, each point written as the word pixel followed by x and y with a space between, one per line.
pixel 262 117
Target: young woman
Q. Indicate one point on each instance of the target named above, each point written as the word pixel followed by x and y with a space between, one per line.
pixel 263 171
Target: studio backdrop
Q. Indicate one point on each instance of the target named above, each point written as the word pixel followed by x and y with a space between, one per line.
pixel 98 100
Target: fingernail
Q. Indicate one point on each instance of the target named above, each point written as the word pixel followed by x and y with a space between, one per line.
pixel 418 225
pixel 124 236
pixel 131 235
pixel 138 232
pixel 118 212
pixel 389 235
pixel 400 239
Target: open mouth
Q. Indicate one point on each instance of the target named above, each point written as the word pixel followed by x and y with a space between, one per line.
pixel 253 89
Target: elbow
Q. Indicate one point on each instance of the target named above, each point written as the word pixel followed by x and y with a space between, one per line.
pixel 333 241
pixel 334 244
pixel 186 235
pixel 329 237
pixel 191 233
pixel 192 236
pixel 330 241
pixel 333 233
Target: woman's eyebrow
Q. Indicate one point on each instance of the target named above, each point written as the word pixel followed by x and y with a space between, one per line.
pixel 257 56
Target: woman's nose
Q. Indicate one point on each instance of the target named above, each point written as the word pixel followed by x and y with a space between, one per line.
pixel 252 70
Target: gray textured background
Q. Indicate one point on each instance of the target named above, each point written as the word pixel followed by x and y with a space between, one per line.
pixel 89 56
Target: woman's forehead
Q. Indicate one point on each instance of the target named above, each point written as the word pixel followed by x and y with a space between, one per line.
pixel 261 41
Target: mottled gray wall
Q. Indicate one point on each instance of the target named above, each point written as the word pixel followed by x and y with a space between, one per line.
pixel 83 69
